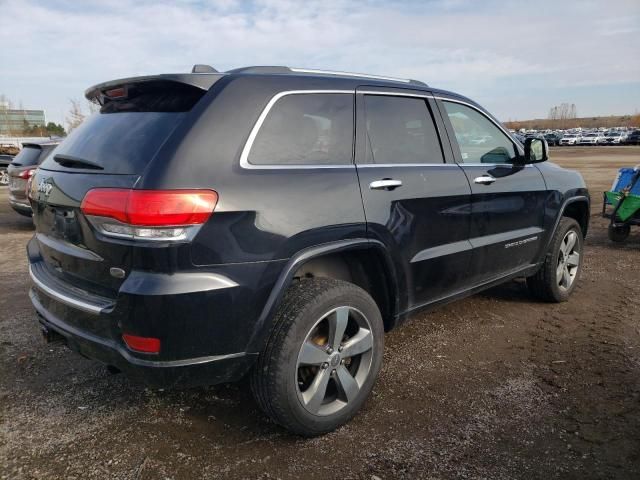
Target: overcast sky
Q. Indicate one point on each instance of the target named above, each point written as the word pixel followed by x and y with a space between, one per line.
pixel 517 58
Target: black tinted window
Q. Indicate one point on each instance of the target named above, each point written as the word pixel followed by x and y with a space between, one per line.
pixel 306 129
pixel 27 157
pixel 478 138
pixel 401 130
pixel 119 142
pixel 127 132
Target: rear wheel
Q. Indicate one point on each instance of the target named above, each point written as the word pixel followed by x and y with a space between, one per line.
pixel 618 233
pixel 559 274
pixel 322 358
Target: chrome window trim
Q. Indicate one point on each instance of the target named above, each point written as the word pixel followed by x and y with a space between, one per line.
pixel 244 156
pixel 349 74
pixel 444 99
pixel 370 165
pixel 480 164
pixel 395 94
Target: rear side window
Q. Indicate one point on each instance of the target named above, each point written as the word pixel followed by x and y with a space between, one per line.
pixel 126 133
pixel 27 157
pixel 306 129
pixel 400 130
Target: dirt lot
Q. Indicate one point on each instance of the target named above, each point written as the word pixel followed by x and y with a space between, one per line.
pixel 495 386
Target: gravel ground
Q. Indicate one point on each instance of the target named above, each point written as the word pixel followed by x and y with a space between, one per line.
pixel 496 386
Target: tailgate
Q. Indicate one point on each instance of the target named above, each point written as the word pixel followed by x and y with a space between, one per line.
pixel 69 247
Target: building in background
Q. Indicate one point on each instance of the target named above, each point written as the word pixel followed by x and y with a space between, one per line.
pixel 14 121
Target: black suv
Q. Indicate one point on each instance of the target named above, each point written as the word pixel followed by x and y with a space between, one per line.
pixel 275 222
pixel 633 138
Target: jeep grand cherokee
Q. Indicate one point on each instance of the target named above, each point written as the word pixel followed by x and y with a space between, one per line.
pixel 275 222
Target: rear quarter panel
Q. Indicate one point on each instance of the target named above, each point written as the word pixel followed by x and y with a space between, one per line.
pixel 262 214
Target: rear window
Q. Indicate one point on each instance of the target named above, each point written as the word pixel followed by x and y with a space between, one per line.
pixel 27 157
pixel 126 133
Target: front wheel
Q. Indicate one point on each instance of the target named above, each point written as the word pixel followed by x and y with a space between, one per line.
pixel 559 273
pixel 322 357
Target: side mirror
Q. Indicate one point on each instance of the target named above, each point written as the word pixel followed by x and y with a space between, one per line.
pixel 535 150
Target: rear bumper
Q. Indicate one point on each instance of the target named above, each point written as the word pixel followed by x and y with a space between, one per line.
pixel 157 373
pixel 205 320
pixel 20 206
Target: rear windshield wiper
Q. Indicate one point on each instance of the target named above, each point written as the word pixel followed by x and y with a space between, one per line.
pixel 70 161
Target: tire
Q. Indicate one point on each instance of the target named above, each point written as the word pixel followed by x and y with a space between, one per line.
pixel 618 234
pixel 558 276
pixel 296 357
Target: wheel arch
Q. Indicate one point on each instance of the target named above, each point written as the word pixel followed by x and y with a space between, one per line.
pixel 576 207
pixel 364 262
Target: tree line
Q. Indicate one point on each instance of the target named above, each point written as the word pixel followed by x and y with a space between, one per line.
pixel 76 114
pixel 565 116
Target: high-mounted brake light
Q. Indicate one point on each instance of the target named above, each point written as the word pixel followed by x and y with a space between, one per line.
pixel 114 93
pixel 148 214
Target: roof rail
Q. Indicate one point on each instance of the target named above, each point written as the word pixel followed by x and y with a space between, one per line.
pixel 360 75
pixel 280 69
pixel 260 69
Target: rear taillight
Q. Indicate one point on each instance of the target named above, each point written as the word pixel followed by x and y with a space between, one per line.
pixel 148 214
pixel 26 174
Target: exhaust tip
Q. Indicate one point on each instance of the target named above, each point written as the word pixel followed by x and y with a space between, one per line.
pixel 50 336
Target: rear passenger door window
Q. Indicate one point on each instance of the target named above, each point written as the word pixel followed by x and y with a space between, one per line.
pixel 478 138
pixel 306 129
pixel 400 130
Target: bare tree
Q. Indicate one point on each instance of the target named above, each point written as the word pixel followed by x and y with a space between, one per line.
pixel 562 113
pixel 5 105
pixel 77 113
pixel 75 116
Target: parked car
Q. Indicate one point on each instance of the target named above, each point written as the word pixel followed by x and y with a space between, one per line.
pixel 5 161
pixel 633 138
pixel 520 138
pixel 570 139
pixel 204 227
pixel 553 138
pixel 590 139
pixel 22 169
pixel 612 138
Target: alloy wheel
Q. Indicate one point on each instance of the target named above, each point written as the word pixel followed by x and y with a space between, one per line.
pixel 568 260
pixel 334 361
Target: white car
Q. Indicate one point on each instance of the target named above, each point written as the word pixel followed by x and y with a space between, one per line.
pixel 613 138
pixel 593 138
pixel 570 139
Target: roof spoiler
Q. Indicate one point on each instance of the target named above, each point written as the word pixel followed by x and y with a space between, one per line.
pixel 204 82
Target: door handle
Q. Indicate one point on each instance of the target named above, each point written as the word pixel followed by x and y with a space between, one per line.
pixel 484 180
pixel 385 184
